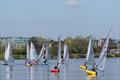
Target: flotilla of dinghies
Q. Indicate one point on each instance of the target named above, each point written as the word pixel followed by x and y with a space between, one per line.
pixel 32 57
pixel 102 59
pixel 8 57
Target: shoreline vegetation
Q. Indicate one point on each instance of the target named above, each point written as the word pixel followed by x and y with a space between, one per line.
pixel 73 55
pixel 77 48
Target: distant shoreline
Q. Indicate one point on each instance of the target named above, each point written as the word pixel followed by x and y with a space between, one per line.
pixel 72 56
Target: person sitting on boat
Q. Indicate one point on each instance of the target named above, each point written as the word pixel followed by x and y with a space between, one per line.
pixel 85 64
pixel 56 66
pixel 62 59
pixel 94 66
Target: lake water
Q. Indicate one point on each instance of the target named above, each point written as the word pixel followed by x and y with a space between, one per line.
pixel 70 71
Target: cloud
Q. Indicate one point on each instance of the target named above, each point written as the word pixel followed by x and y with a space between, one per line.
pixel 72 3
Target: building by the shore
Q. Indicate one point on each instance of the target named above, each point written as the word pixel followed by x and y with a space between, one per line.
pixel 17 42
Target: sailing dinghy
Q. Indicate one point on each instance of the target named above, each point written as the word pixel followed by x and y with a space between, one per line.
pixel 28 54
pixel 43 57
pixel 32 55
pixel 56 67
pixel 8 57
pixel 103 55
pixel 90 56
pixel 89 64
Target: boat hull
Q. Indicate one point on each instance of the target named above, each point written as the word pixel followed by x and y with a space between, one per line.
pixel 90 72
pixel 83 67
pixel 55 70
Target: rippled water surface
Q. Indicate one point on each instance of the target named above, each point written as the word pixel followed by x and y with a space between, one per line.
pixel 70 71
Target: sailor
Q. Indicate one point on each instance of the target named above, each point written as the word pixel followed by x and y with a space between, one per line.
pixel 94 66
pixel 62 59
pixel 56 66
pixel 85 64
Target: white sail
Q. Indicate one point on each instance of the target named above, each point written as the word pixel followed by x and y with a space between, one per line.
pixel 90 53
pixel 42 51
pixel 46 51
pixel 28 52
pixel 66 53
pixel 8 57
pixel 33 53
pixel 103 54
pixel 59 50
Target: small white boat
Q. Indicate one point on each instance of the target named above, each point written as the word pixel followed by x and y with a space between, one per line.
pixel 89 63
pixel 103 55
pixel 8 57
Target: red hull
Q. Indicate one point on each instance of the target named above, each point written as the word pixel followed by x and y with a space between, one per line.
pixel 55 70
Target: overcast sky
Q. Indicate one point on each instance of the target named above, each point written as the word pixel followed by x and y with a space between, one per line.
pixel 48 18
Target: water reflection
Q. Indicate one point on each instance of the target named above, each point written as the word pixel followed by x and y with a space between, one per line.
pixel 91 77
pixel 9 70
pixel 31 73
pixel 41 72
pixel 62 75
pixel 65 69
pixel 45 72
